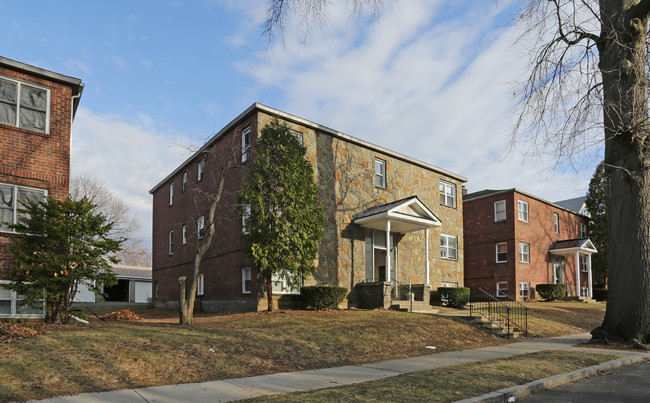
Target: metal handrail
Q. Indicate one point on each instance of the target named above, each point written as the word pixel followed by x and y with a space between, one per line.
pixel 496 310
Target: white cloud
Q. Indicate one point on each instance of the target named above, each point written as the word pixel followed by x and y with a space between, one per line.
pixel 146 63
pixel 424 81
pixel 130 157
pixel 118 62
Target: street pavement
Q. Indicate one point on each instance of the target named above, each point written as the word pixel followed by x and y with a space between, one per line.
pixel 244 388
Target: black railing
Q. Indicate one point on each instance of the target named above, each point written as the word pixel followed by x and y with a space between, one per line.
pixel 504 311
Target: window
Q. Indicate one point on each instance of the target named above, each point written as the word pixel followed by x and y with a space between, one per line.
pixel 500 210
pixel 9 209
pixel 199 285
pixel 524 252
pixel 281 286
pixel 200 226
pixel 200 170
pixel 245 144
pixel 380 173
pixel 24 105
pixel 171 193
pixel 502 252
pixel 298 136
pixel 524 289
pixel 583 230
pixel 184 235
pixel 245 216
pixel 502 288
pixel 522 210
pixel 556 223
pixel 447 194
pixel 184 186
pixel 171 242
pixel 584 264
pixel 246 280
pixel 448 247
pixel 11 305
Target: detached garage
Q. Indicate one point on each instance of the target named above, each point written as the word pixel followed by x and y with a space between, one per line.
pixel 133 285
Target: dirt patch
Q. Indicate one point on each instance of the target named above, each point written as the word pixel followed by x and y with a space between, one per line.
pixel 123 315
pixel 11 331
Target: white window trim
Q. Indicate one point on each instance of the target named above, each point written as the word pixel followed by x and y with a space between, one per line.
pixel 447 248
pixel 19 85
pixel 184 234
pixel 584 264
pixel 381 174
pixel 556 223
pixel 448 193
pixel 200 225
pixel 522 212
pixel 497 211
pixel 200 285
pixel 245 144
pixel 15 202
pixel 246 275
pixel 582 228
pixel 200 170
pixel 496 248
pixel 184 181
pixel 245 216
pixel 284 288
pixel 298 135
pixel 13 297
pixel 584 291
pixel 171 194
pixel 500 291
pixel 526 288
pixel 525 252
pixel 171 243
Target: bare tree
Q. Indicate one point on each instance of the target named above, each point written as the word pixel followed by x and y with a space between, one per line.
pixel 588 78
pixel 125 225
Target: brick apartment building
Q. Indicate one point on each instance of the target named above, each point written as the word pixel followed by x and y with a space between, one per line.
pixel 369 193
pixel 514 241
pixel 37 107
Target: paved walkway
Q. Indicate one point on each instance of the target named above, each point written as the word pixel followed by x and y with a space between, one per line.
pixel 243 388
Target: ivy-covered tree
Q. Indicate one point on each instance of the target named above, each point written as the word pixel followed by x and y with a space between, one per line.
pixel 57 245
pixel 279 204
pixel 596 202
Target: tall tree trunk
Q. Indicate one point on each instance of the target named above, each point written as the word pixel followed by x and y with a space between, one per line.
pixel 269 291
pixel 627 156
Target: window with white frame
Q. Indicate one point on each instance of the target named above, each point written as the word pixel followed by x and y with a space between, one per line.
pixel 184 185
pixel 199 285
pixel 448 247
pixel 171 193
pixel 500 210
pixel 447 194
pixel 502 288
pixel 246 285
pixel 502 252
pixel 556 223
pixel 281 286
pixel 524 252
pixel 524 289
pixel 24 105
pixel 200 170
pixel 11 305
pixel 298 136
pixel 200 226
pixel 584 263
pixel 184 234
pixel 522 210
pixel 12 199
pixel 245 144
pixel 583 230
pixel 245 216
pixel 380 173
pixel 171 242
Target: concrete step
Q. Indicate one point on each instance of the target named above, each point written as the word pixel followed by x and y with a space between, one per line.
pixel 416 306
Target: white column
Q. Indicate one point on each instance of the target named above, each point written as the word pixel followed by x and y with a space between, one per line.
pixel 589 275
pixel 388 250
pixel 577 265
pixel 426 254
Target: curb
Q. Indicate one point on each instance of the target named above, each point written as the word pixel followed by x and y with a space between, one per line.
pixel 520 391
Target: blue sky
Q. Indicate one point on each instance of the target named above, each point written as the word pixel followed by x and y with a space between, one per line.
pixel 430 79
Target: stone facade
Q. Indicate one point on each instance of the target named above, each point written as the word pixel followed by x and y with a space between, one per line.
pixel 344 170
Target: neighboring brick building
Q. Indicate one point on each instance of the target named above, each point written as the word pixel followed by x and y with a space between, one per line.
pixel 367 191
pixel 36 111
pixel 514 241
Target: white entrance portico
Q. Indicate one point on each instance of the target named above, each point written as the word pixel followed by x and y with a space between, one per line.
pixel 581 249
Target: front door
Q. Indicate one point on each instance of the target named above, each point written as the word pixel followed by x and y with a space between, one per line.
pixel 558 270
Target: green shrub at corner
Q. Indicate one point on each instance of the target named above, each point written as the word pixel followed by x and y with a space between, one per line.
pixel 322 296
pixel 456 297
pixel 550 292
pixel 600 294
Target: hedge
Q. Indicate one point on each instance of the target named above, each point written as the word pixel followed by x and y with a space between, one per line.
pixel 457 297
pixel 550 292
pixel 321 297
pixel 600 294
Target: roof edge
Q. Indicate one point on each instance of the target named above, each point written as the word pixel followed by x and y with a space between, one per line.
pixel 515 190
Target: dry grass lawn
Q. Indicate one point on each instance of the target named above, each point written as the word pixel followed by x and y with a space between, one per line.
pixel 102 356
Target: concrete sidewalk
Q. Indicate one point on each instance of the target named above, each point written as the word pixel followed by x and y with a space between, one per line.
pixel 244 388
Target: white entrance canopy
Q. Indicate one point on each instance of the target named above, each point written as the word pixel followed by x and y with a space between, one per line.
pixel 577 247
pixel 401 216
